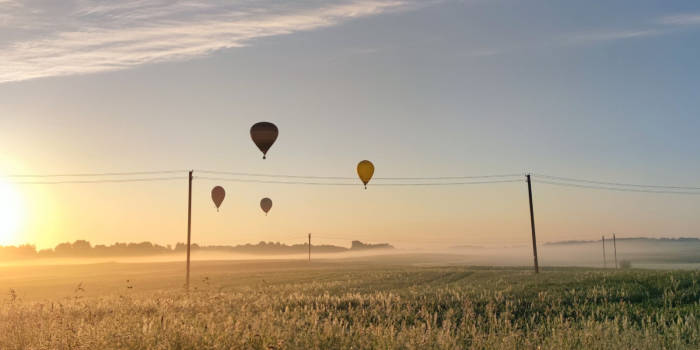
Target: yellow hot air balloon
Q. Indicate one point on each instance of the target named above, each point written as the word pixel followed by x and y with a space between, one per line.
pixel 365 169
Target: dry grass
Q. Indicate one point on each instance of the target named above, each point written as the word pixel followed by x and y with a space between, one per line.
pixel 375 308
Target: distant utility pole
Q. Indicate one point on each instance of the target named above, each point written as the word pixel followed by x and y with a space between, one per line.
pixel 189 229
pixel 615 247
pixel 605 262
pixel 532 223
pixel 309 247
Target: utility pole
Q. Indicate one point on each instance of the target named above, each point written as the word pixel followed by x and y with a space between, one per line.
pixel 615 248
pixel 532 223
pixel 189 229
pixel 309 247
pixel 605 262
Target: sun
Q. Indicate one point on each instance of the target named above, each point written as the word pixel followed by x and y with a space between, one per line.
pixel 11 212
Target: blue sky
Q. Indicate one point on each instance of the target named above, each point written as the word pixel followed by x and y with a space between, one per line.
pixel 602 90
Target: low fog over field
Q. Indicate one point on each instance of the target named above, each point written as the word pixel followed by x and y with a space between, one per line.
pixel 639 252
pixel 634 252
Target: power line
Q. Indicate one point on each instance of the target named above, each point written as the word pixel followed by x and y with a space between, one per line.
pixel 353 178
pixel 274 176
pixel 96 181
pixel 156 172
pixel 96 174
pixel 619 189
pixel 274 181
pixel 615 183
pixel 448 183
pixel 450 177
pixel 436 181
pixel 351 184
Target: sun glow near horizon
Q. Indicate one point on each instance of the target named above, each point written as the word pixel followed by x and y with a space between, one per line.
pixel 11 213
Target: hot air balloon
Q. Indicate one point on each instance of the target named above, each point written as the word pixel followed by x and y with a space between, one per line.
pixel 264 135
pixel 266 204
pixel 217 195
pixel 365 169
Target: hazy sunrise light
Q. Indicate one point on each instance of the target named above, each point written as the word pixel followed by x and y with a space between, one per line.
pixel 349 174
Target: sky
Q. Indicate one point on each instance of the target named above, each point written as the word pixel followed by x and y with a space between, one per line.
pixel 598 90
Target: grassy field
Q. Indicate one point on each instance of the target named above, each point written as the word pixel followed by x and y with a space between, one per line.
pixel 345 304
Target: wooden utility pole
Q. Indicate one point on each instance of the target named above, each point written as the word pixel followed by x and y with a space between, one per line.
pixel 605 262
pixel 309 247
pixel 615 248
pixel 532 223
pixel 189 229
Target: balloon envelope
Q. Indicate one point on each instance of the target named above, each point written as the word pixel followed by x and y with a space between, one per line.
pixel 365 169
pixel 266 204
pixel 217 195
pixel 264 135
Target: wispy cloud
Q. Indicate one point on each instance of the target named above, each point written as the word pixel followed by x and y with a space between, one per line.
pixel 660 26
pixel 681 20
pixel 86 36
pixel 612 35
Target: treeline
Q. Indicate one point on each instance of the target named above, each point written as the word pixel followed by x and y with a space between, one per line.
pixel 682 240
pixel 83 249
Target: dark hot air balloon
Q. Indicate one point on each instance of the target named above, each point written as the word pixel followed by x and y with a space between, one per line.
pixel 365 170
pixel 264 135
pixel 217 195
pixel 266 204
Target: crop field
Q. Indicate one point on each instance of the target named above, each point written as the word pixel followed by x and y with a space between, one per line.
pixel 346 304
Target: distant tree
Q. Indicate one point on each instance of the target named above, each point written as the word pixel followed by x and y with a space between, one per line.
pixel 81 245
pixel 63 249
pixel 21 252
pixel 357 245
